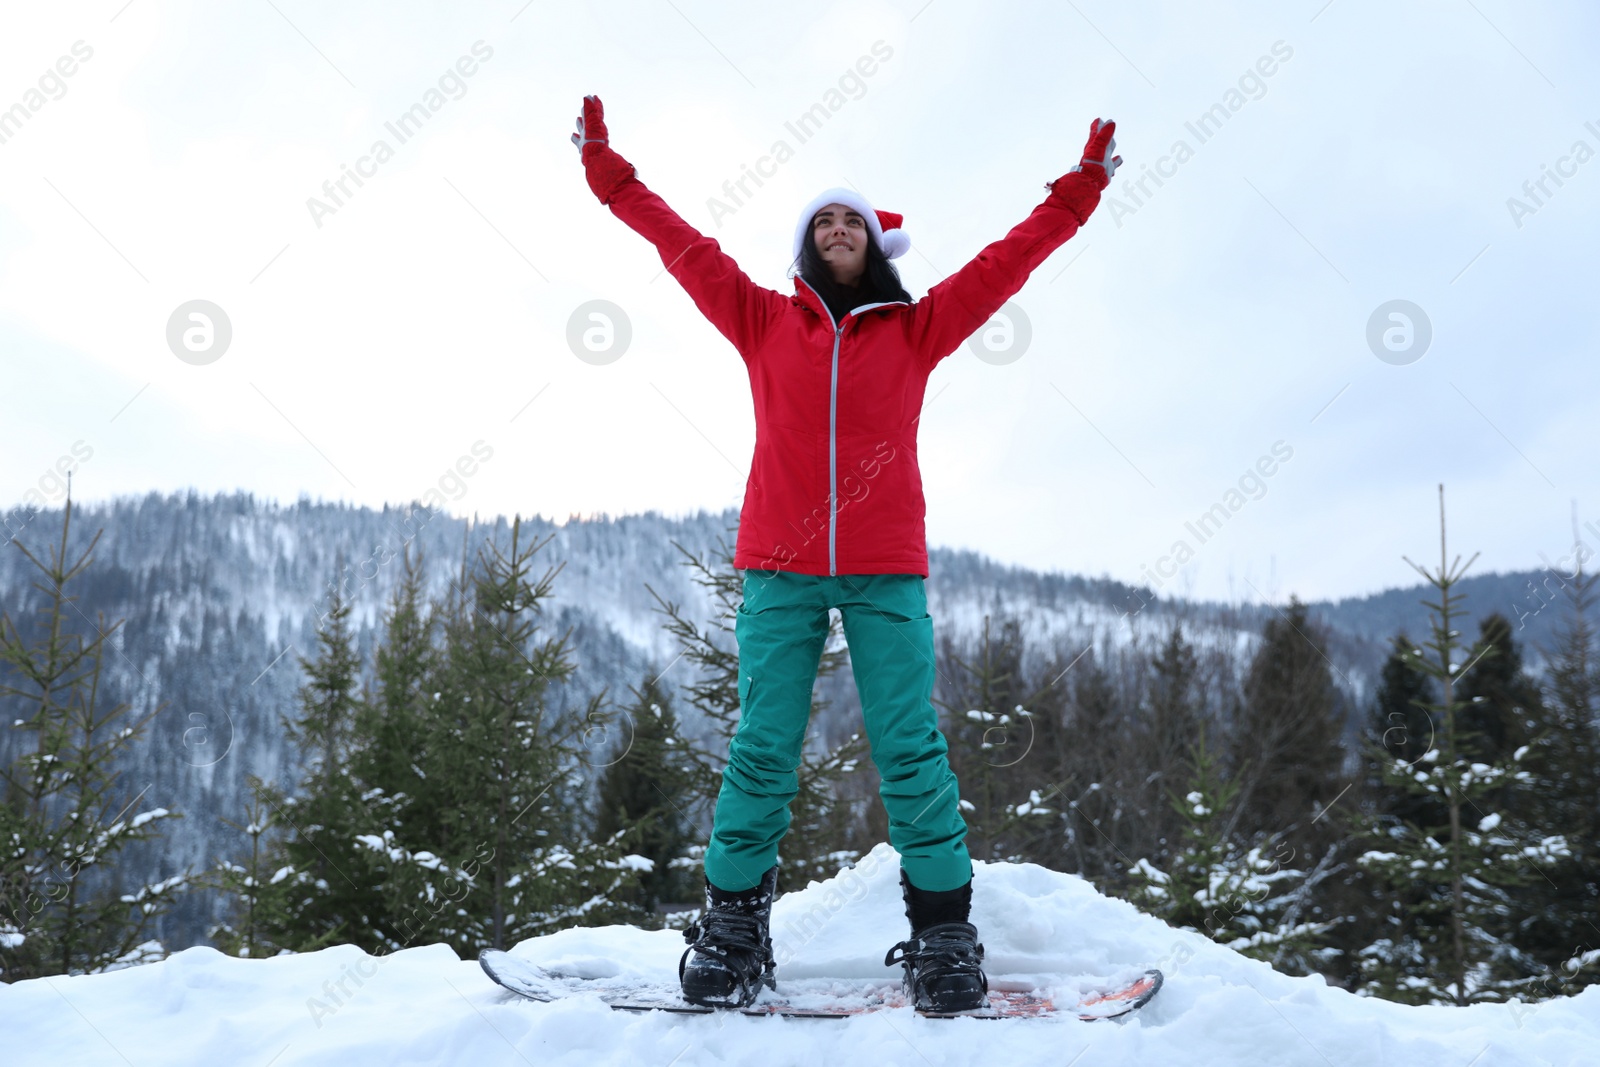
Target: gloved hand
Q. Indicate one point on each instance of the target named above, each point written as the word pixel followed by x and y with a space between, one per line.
pixel 1080 187
pixel 604 168
pixel 1098 152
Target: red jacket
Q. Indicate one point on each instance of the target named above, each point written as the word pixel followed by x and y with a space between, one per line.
pixel 834 486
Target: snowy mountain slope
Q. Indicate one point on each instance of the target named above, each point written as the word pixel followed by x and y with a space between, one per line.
pixel 424 1006
pixel 221 596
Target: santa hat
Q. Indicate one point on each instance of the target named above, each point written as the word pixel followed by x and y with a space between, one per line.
pixel 883 225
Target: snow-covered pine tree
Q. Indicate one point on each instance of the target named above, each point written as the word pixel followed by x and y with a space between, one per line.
pixel 1444 948
pixel 253 885
pixel 1250 899
pixel 305 881
pixel 329 891
pixel 1559 921
pixel 1400 722
pixel 644 791
pixel 389 723
pixel 390 731
pixel 819 841
pixel 1399 731
pixel 504 856
pixel 1010 792
pixel 64 815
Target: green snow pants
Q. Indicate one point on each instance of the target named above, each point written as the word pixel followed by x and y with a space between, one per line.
pixel 781 629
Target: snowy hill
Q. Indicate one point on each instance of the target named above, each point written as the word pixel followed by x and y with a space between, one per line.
pixel 425 1006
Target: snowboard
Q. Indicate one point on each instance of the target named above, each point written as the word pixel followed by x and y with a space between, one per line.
pixel 821 998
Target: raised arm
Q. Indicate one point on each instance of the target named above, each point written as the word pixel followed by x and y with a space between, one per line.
pixel 739 308
pixel 963 302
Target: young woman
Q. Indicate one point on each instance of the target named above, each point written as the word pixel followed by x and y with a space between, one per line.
pixel 833 518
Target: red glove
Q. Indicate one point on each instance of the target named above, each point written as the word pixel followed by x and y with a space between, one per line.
pixel 1080 187
pixel 605 169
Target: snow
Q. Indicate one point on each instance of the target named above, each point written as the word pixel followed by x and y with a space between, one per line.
pixel 425 1006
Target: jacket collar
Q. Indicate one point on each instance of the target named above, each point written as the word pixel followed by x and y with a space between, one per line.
pixel 813 300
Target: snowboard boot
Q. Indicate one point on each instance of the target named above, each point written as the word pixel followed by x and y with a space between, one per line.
pixel 731 946
pixel 942 961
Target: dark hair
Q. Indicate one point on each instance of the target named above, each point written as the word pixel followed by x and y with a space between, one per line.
pixel 880 282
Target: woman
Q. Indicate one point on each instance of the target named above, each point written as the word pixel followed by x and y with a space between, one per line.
pixel 833 518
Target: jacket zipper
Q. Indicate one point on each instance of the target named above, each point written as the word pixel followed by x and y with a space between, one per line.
pixel 833 414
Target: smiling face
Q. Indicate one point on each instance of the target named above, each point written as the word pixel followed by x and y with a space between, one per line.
pixel 841 237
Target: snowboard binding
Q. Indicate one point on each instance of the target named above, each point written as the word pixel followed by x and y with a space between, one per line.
pixel 943 960
pixel 943 968
pixel 731 947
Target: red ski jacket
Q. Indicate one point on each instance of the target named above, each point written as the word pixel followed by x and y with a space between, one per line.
pixel 834 486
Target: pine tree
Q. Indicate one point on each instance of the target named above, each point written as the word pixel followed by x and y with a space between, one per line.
pixel 1399 718
pixel 443 802
pixel 1100 775
pixel 1247 899
pixel 1172 712
pixel 329 891
pixel 991 724
pixel 389 724
pixel 1286 743
pixel 1504 705
pixel 64 816
pixel 1444 949
pixel 504 857
pixel 1169 725
pixel 1400 731
pixel 256 890
pixel 390 728
pixel 1559 920
pixel 642 792
pixel 1405 731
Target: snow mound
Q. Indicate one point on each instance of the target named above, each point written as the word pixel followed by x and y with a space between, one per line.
pixel 424 1006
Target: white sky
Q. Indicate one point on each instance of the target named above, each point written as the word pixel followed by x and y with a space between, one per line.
pixel 1226 312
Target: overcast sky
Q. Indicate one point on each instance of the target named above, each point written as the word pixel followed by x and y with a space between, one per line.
pixel 1356 153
